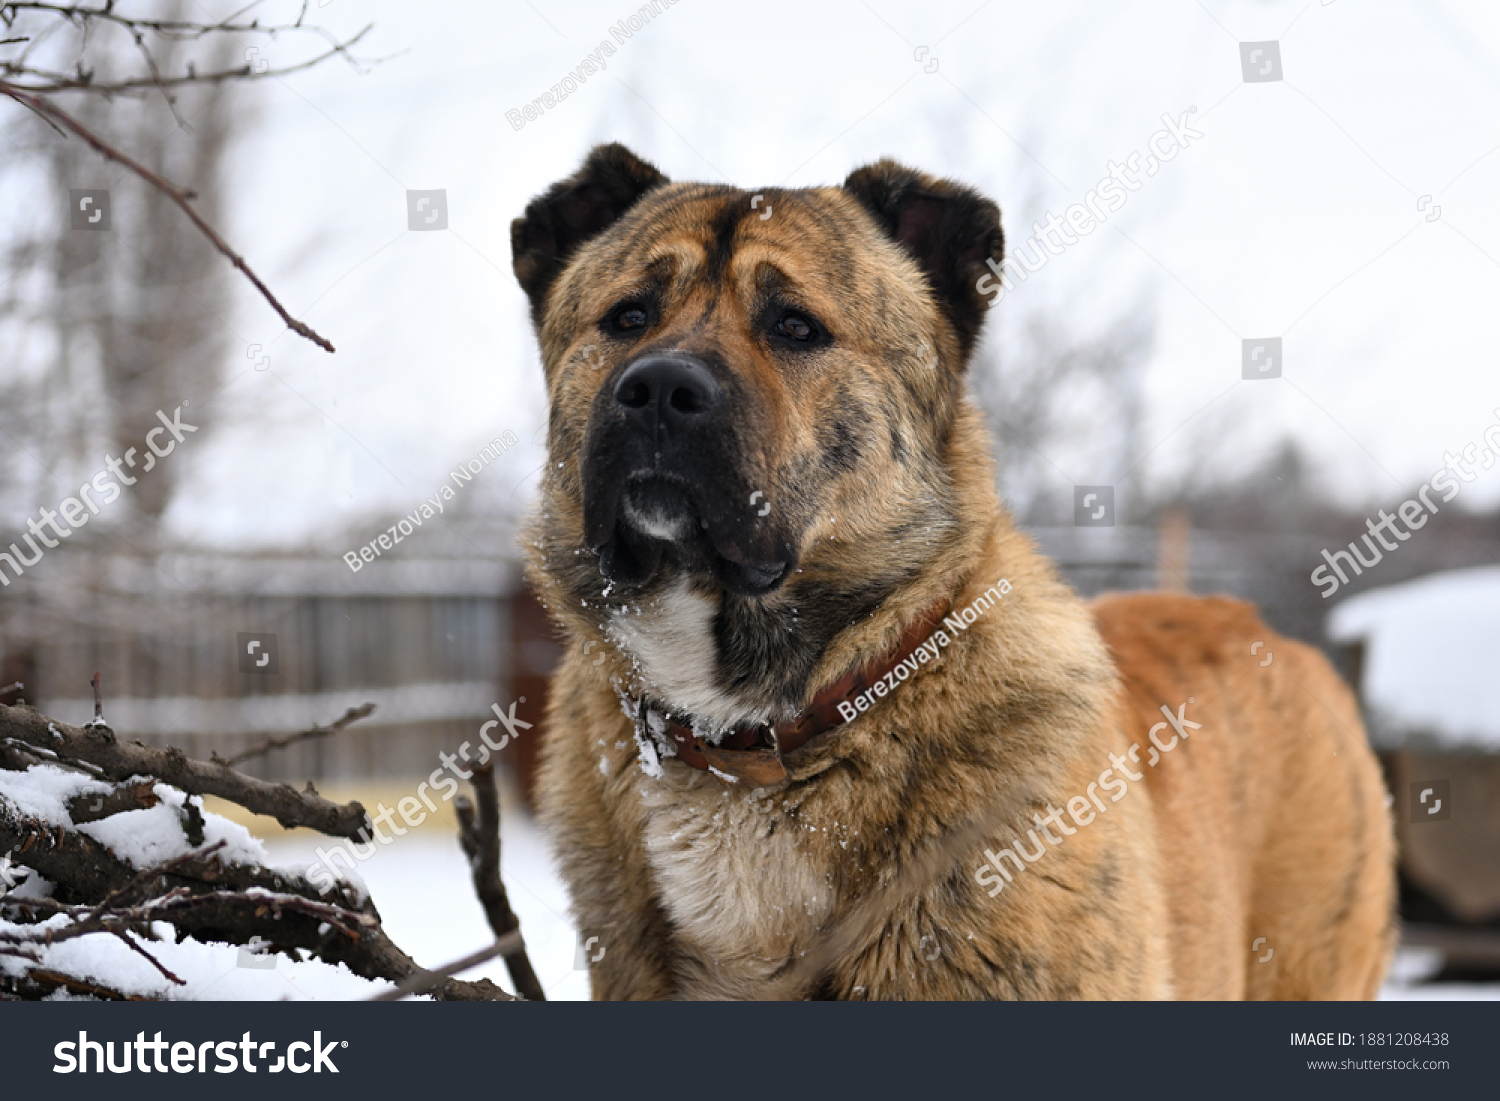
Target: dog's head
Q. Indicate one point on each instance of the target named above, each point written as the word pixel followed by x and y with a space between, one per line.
pixel 749 390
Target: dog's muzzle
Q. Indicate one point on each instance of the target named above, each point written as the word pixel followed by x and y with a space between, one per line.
pixel 664 480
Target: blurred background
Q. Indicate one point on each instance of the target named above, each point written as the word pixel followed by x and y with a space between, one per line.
pixel 1287 327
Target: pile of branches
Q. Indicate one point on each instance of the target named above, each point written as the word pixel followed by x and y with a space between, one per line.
pixel 203 893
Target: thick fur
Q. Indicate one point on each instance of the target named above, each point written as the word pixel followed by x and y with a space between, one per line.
pixel 854 463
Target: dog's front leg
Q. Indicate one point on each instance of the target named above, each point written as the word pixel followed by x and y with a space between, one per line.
pixel 594 821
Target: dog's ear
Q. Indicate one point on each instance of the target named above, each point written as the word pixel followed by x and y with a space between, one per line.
pixel 571 211
pixel 948 229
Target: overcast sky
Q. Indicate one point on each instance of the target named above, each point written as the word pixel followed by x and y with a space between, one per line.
pixel 1341 208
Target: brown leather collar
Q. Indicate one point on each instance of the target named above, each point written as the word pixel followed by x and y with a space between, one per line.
pixel 753 753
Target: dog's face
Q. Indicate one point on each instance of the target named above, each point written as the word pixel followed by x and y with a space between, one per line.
pixel 739 380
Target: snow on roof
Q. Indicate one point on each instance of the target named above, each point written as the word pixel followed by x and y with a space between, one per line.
pixel 1432 652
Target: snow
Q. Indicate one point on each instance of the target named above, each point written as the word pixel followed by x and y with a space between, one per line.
pixel 211 972
pixel 421 886
pixel 141 838
pixel 1429 666
pixel 42 792
pixel 144 838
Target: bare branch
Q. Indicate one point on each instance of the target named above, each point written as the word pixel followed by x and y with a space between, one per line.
pixel 177 195
pixel 201 893
pixel 26 78
pixel 37 983
pixel 479 834
pixel 185 30
pixel 427 980
pixel 353 715
pixel 91 807
pixel 117 761
pixel 172 905
pixel 152 960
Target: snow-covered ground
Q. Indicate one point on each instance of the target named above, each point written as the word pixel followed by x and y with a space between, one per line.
pixel 420 883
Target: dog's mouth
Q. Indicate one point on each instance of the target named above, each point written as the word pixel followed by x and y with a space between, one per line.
pixel 644 523
pixel 659 509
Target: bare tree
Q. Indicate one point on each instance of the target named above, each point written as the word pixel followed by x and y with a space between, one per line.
pixel 1061 403
pixel 105 328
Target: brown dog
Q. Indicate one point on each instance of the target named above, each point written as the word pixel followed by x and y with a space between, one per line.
pixel 827 725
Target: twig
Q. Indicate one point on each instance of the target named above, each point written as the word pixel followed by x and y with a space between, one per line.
pixel 180 29
pixel 156 79
pixel 181 901
pixel 479 834
pixel 15 759
pixel 98 702
pixel 117 761
pixel 18 757
pixel 353 715
pixel 39 982
pixel 152 960
pixel 156 872
pixel 177 195
pixel 60 82
pixel 426 980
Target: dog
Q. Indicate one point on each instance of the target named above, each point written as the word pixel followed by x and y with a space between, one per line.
pixel 827 726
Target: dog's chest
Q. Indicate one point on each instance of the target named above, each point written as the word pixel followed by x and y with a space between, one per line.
pixel 670 637
pixel 745 885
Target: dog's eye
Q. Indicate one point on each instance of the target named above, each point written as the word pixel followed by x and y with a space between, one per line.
pixel 796 327
pixel 629 317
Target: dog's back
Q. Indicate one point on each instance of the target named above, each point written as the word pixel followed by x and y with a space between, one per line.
pixel 1272 821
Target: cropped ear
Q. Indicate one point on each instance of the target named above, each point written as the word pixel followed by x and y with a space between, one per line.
pixel 948 229
pixel 571 211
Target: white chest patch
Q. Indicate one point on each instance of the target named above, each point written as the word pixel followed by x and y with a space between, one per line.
pixel 671 637
pixel 743 898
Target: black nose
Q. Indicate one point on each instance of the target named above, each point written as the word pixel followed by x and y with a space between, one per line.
pixel 671 392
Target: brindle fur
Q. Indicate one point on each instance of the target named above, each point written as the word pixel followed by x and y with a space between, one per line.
pixel 856 878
